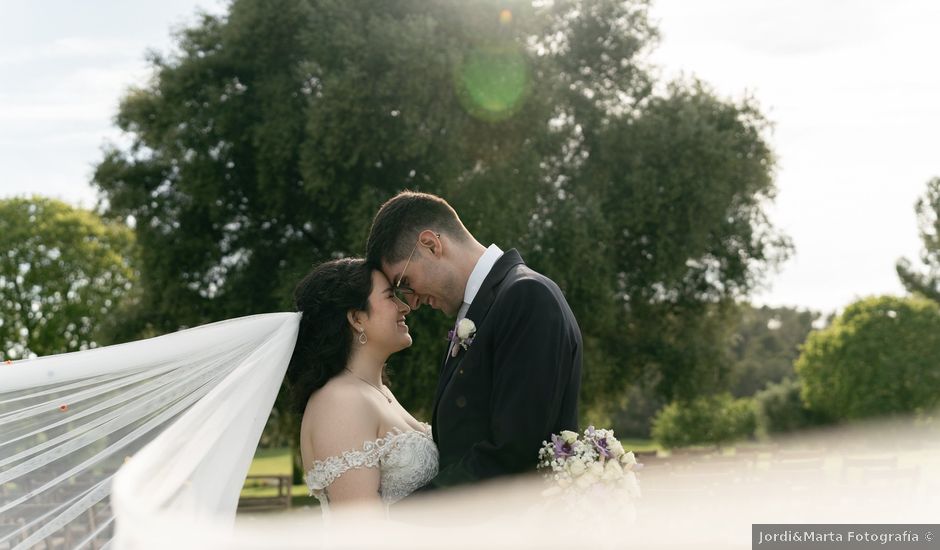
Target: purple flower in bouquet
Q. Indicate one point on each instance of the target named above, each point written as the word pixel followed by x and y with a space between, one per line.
pixel 601 445
pixel 599 441
pixel 562 449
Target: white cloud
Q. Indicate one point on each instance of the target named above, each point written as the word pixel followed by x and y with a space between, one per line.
pixel 70 49
pixel 81 94
pixel 64 71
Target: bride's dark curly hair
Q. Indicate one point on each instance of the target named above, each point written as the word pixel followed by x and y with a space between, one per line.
pixel 325 339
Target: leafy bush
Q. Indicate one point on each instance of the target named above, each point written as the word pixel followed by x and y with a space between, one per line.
pixel 713 419
pixel 781 409
pixel 880 357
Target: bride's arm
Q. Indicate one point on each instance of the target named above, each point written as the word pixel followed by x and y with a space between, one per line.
pixel 339 420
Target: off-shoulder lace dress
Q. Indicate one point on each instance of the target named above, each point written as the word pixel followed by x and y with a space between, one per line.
pixel 406 460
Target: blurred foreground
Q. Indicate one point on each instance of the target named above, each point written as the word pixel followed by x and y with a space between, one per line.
pixel 877 473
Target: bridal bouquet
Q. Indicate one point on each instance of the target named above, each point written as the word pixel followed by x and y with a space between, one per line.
pixel 594 462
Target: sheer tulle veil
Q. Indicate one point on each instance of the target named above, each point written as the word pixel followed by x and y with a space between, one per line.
pixel 166 425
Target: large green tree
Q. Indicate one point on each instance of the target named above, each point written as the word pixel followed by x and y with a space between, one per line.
pixel 63 274
pixel 928 217
pixel 268 140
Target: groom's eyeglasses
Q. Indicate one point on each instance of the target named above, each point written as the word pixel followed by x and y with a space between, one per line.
pixel 403 291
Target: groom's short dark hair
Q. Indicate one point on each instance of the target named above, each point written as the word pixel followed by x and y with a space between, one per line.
pixel 398 222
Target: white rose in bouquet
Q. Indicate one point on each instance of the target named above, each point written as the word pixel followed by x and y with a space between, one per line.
pixel 585 481
pixel 632 484
pixel 614 446
pixel 568 436
pixel 628 459
pixel 576 467
pixel 612 471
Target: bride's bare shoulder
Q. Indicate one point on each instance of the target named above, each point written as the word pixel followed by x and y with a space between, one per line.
pixel 339 407
pixel 336 390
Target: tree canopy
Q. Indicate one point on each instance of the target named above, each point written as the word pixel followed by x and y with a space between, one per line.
pixel 928 217
pixel 63 274
pixel 268 139
pixel 765 345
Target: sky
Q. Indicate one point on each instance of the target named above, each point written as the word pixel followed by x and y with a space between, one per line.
pixel 850 85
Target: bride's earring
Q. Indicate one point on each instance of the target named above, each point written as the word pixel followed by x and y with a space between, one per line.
pixel 362 337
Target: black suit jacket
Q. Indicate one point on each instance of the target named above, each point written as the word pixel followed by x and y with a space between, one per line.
pixel 517 383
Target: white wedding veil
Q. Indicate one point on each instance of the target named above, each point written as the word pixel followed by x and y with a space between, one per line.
pixel 189 407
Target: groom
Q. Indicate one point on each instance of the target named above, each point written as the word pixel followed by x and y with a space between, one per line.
pixel 513 379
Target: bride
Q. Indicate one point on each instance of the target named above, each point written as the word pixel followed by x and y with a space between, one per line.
pixel 357 442
pixel 162 430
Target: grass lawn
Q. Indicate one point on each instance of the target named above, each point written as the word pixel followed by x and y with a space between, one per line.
pixel 639 445
pixel 273 462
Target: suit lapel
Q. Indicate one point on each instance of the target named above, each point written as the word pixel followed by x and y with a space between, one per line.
pixel 477 313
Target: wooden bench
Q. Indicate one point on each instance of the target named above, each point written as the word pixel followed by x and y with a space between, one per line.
pixel 279 501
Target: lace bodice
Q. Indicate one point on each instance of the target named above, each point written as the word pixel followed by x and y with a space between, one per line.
pixel 406 460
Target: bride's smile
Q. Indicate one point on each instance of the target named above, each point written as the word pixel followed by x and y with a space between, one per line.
pixel 383 321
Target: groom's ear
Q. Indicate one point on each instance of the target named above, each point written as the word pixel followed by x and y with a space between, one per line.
pixel 432 241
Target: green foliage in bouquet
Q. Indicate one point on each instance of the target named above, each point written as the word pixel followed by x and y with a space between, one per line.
pixel 880 357
pixel 780 408
pixel 707 420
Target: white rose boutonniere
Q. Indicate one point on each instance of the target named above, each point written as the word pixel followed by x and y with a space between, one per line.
pixel 466 329
pixel 462 335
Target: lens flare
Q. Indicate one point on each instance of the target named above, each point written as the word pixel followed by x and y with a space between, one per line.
pixel 492 82
pixel 505 17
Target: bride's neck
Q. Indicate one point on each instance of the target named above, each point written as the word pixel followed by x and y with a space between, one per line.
pixel 366 366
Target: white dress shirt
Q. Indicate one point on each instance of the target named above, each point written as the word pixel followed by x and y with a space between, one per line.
pixel 477 276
